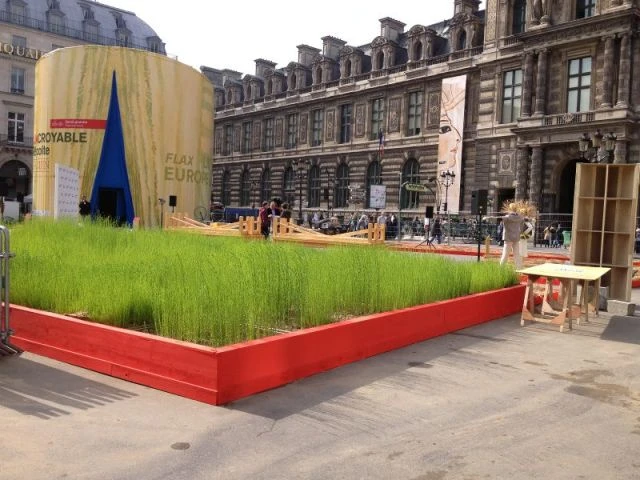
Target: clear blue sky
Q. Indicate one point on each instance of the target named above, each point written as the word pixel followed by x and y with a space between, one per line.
pixel 233 34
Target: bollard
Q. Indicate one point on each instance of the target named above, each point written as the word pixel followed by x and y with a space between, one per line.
pixel 487 246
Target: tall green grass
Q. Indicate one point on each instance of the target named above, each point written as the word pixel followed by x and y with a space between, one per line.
pixel 218 291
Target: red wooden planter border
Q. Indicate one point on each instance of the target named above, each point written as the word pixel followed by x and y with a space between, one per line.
pixel 221 375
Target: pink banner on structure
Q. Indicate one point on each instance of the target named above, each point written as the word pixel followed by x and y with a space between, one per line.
pixel 86 123
pixel 451 137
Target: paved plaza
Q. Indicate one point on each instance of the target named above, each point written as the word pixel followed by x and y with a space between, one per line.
pixel 496 401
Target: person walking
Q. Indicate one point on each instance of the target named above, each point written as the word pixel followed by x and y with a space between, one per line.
pixel 436 231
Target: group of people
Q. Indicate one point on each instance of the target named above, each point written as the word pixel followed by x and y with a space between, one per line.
pixel 553 236
pixel 270 210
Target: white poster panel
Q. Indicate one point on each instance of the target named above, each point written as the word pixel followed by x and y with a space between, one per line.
pixel 452 136
pixel 378 196
pixel 67 192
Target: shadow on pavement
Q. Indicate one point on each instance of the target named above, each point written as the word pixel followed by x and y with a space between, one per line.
pixel 623 329
pixel 305 394
pixel 36 389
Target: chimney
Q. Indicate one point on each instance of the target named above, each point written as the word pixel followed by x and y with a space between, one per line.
pixel 391 29
pixel 331 47
pixel 263 65
pixel 306 54
pixel 466 6
pixel 214 75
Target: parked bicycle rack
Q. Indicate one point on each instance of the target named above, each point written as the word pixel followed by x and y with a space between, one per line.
pixel 6 348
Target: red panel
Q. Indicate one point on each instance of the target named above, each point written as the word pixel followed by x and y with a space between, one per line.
pixel 177 367
pixel 86 123
pixel 252 367
pixel 229 373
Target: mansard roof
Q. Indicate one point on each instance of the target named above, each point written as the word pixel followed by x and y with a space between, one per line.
pixel 74 15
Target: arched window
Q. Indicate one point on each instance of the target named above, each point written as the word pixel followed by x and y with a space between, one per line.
pixel 226 188
pixel 319 75
pixel 341 196
pixel 417 51
pixel 519 18
pixel 248 97
pixel 289 186
pixel 265 185
pixel 462 40
pixel 410 174
pixel 270 87
pixel 314 187
pixel 347 68
pixel 379 60
pixel 374 177
pixel 294 82
pixel 229 97
pixel 245 188
pixel 17 178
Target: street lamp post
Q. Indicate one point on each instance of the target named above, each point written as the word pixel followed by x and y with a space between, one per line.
pixel 300 176
pixel 598 148
pixel 447 178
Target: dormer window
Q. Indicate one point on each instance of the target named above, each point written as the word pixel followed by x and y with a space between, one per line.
pixel 120 23
pixel 154 44
pixel 53 4
pixel 87 13
pixel 17 9
pixel 379 61
pixel 462 40
pixel 122 38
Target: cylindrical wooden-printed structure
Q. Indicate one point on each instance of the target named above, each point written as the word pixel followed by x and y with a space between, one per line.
pixel 129 129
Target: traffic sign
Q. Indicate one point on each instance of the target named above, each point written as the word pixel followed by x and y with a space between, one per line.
pixel 416 187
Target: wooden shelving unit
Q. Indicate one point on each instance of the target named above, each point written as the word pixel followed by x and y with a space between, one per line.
pixel 604 222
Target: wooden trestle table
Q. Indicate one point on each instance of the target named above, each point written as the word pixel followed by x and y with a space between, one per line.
pixel 559 310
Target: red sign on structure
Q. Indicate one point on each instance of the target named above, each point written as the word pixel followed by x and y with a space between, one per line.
pixel 86 123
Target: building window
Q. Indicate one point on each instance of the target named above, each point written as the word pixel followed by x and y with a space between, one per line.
pixel 245 188
pixel 317 124
pixel 267 143
pixel 579 90
pixel 511 95
pixel 265 185
pixel 122 38
pixel 377 118
pixel 17 80
pixel 314 187
pixel 414 113
pixel 345 123
pixel 90 31
pixel 246 137
pixel 519 19
pixel 585 8
pixel 87 13
pixel 341 196
pixel 374 177
pixel 292 130
pixel 226 188
pixel 227 146
pixel 410 174
pixel 19 41
pixel 55 23
pixel 15 127
pixel 289 186
pixel 17 13
pixel 120 23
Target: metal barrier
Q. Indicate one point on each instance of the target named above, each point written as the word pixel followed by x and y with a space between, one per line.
pixel 6 348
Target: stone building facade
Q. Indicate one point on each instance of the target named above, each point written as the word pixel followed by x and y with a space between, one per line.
pixel 31 28
pixel 539 74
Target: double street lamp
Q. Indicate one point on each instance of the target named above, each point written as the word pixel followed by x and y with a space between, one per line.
pixel 603 146
pixel 447 179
